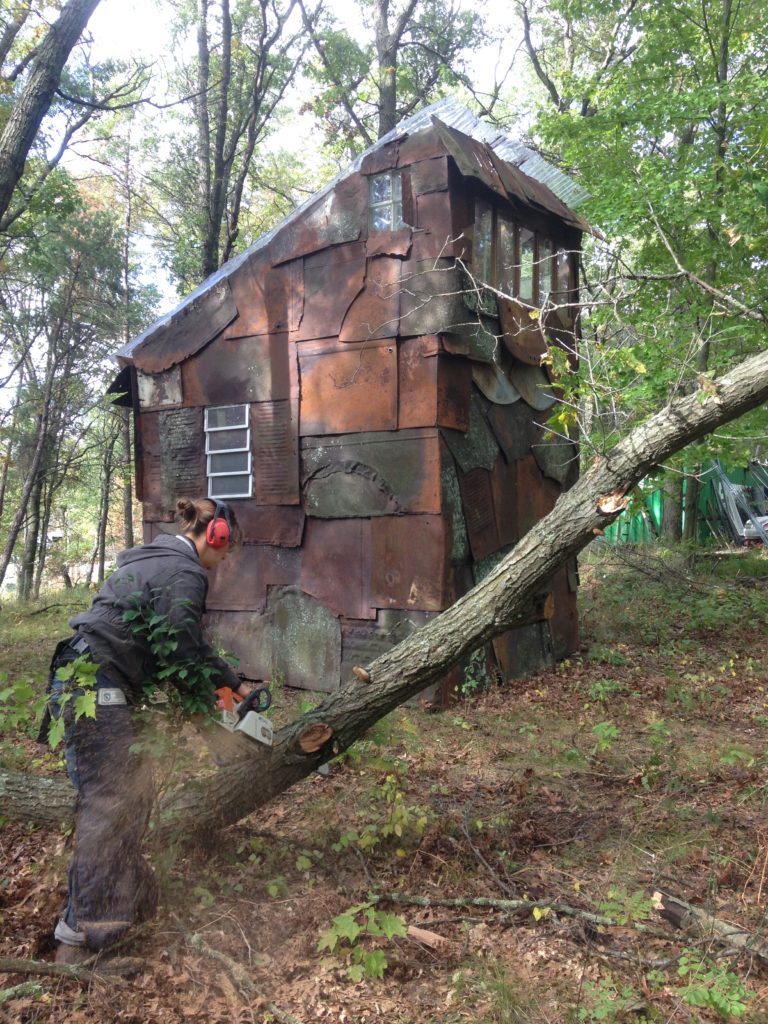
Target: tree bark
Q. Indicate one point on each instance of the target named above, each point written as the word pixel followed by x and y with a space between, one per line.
pixel 672 509
pixel 38 92
pixel 504 598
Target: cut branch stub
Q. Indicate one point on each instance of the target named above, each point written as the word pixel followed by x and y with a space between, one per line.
pixel 315 737
pixel 610 504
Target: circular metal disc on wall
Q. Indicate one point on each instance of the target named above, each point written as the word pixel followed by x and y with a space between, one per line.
pixel 494 384
pixel 523 336
pixel 532 383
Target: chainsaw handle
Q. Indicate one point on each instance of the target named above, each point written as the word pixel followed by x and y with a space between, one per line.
pixel 259 699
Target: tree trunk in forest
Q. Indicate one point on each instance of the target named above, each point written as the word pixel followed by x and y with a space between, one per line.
pixel 38 92
pixel 31 538
pixel 197 811
pixel 672 509
pixel 34 470
pixel 387 48
pixel 125 413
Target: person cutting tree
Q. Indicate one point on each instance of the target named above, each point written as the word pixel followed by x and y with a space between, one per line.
pixel 142 631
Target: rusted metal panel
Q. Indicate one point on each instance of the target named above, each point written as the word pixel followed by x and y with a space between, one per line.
pixel 280 525
pixel 185 333
pixel 332 280
pixel 523 336
pixel 383 158
pixel 494 383
pixel 269 299
pixel 429 175
pixel 371 474
pixel 336 565
pixel 536 495
pixel 236 371
pixel 473 159
pixel 564 624
pixel 433 388
pixel 420 146
pixel 303 640
pixel 555 458
pixel 375 313
pixel 477 447
pixel 159 389
pixel 475 336
pixel 532 383
pixel 524 650
pixel 336 218
pixel 182 462
pixel 173 462
pixel 241 582
pixel 411 557
pixel 535 193
pixel 514 427
pixel 454 388
pixel 275 453
pixel 479 513
pixel 435 238
pixel 431 301
pixel 236 584
pixel 349 389
pixel 390 243
pixel 504 486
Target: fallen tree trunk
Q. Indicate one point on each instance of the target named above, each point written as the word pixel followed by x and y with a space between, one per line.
pixel 502 600
pixel 698 922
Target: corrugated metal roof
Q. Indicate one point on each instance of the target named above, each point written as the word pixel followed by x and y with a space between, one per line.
pixel 452 113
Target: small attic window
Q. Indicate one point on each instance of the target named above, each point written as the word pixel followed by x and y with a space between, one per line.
pixel 385 202
pixel 228 450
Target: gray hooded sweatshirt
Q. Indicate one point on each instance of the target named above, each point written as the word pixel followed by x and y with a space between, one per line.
pixel 164 578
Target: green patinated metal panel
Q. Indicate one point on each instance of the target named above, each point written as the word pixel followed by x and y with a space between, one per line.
pixel 302 640
pixel 371 474
pixel 477 447
pixel 555 458
pixel 452 506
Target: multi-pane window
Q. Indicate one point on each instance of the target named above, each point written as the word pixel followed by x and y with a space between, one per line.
pixel 561 295
pixel 506 255
pixel 517 261
pixel 385 202
pixel 527 264
pixel 228 451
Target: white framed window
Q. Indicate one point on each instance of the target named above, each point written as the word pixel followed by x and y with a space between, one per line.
pixel 228 451
pixel 385 202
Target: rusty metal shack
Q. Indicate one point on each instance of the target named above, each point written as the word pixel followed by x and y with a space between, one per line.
pixel 355 388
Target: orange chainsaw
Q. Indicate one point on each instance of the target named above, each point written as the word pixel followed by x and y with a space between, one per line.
pixel 245 715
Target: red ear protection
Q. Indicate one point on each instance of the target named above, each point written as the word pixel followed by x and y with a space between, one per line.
pixel 219 531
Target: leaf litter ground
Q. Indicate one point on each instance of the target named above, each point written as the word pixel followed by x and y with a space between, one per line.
pixel 638 765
